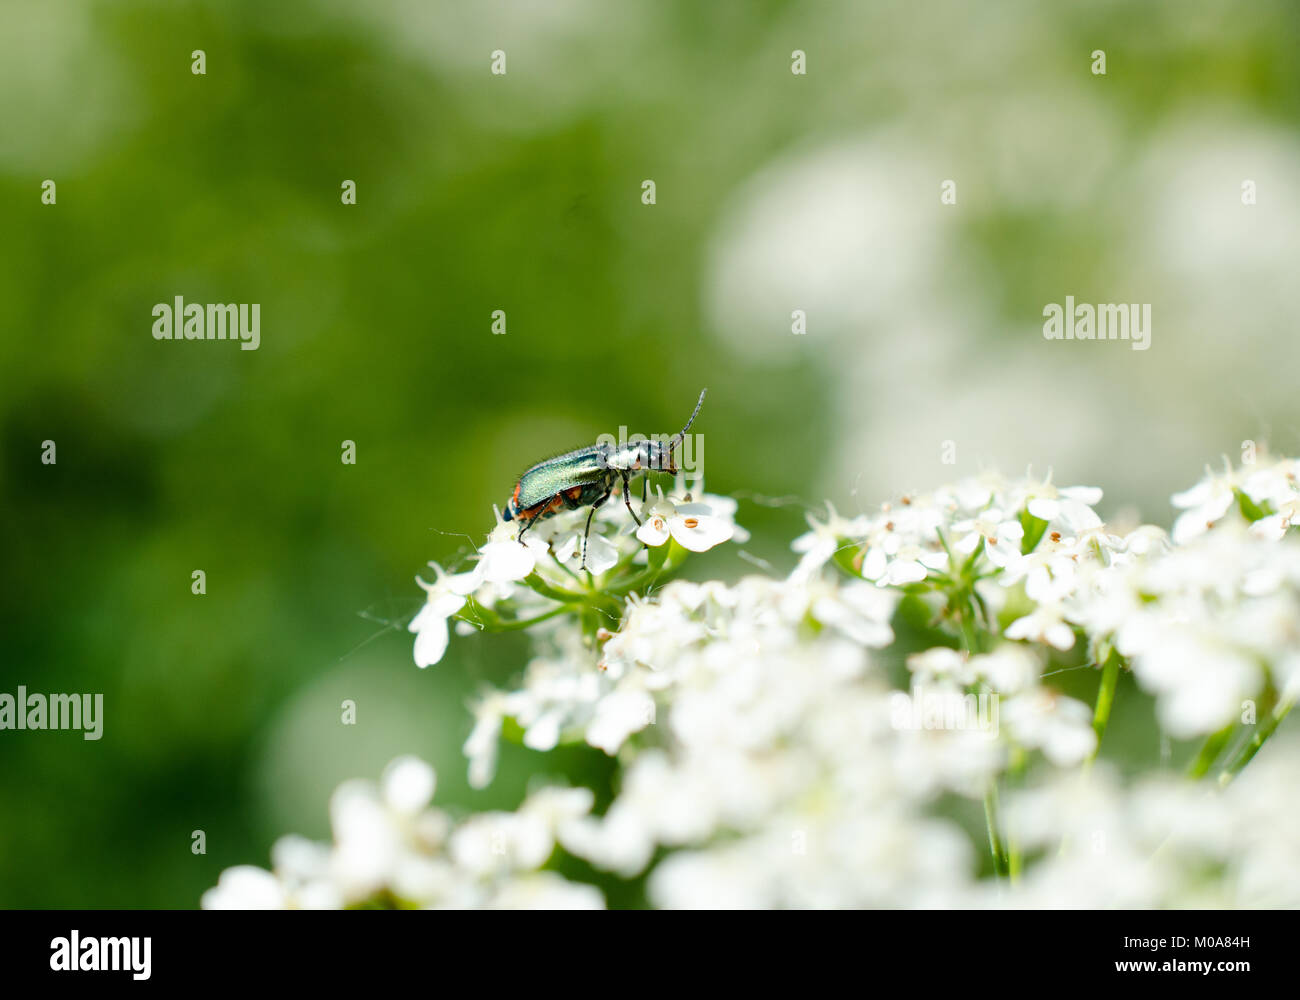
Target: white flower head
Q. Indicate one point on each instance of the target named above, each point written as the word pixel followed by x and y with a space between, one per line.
pixel 1059 726
pixel 1203 505
pixel 694 526
pixel 408 784
pixel 1001 534
pixel 1069 506
pixel 246 887
pixel 601 554
pixel 506 558
pixel 446 596
pixel 618 715
pixel 1045 624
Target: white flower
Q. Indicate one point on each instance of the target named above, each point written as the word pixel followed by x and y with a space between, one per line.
pixel 390 845
pixel 481 745
pixel 651 634
pixel 1202 682
pixel 941 663
pixel 896 562
pixel 618 715
pixel 819 545
pixel 725 509
pixel 1046 624
pixel 505 558
pixel 1275 526
pixel 1001 534
pixel 408 784
pixel 246 887
pixel 446 596
pixel 497 842
pixel 1061 727
pixel 368 843
pixel 546 891
pixel 601 554
pixel 1203 505
pixel 773 767
pixel 1008 669
pixel 693 526
pixel 1071 506
pixel 860 611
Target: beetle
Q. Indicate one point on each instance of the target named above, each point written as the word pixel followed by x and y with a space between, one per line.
pixel 586 478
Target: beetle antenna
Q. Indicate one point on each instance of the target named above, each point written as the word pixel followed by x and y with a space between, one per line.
pixel 677 438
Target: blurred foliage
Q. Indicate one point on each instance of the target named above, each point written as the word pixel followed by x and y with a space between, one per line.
pixel 475 193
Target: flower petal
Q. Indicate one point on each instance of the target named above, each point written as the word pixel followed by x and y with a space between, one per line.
pixel 654 532
pixel 699 532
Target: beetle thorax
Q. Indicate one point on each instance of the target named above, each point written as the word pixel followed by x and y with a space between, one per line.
pixel 638 456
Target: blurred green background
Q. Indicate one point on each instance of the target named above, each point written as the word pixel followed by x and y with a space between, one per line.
pixel 522 192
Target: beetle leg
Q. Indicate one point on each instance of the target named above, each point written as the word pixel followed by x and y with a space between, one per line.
pixel 587 534
pixel 628 500
pixel 645 487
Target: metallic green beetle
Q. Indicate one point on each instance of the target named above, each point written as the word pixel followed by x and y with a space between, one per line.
pixel 586 478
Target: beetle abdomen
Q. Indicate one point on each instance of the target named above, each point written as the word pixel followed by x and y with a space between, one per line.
pixel 571 498
pixel 548 479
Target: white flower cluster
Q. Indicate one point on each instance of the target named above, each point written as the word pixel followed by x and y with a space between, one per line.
pixel 1159 842
pixel 774 768
pixel 1206 619
pixel 769 751
pixel 1207 626
pixel 552 550
pixel 780 746
pixel 392 849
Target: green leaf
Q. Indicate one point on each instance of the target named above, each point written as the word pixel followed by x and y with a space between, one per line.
pixel 1252 510
pixel 1034 529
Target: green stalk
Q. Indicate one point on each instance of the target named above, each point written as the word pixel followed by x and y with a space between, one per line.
pixel 1105 698
pixel 491 621
pixel 1001 867
pixel 662 559
pixel 1247 754
pixel 555 592
pixel 1210 750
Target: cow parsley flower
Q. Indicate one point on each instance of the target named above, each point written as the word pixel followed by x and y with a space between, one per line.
pixel 446 596
pixel 813 740
pixel 1203 505
pixel 999 533
pixel 392 849
pixel 694 526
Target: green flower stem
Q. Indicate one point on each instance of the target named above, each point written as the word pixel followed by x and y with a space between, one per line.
pixel 968 633
pixel 1110 665
pixel 553 591
pixel 1001 867
pixel 1210 750
pixel 1015 858
pixel 493 622
pixel 662 559
pixel 1265 730
pixel 952 559
pixel 1105 698
pixel 960 599
pixel 846 552
pixel 601 601
pixel 510 626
